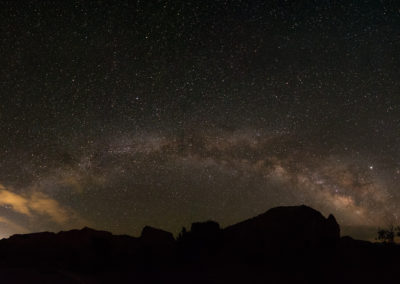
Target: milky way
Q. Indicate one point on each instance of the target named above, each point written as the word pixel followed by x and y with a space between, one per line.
pixel 127 113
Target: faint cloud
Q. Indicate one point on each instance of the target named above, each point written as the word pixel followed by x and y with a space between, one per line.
pixel 14 201
pixel 13 226
pixel 44 205
pixel 33 204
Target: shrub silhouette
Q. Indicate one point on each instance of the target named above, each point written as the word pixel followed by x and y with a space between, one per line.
pixel 388 235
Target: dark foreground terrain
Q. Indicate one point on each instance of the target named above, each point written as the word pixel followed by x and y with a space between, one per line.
pixel 284 245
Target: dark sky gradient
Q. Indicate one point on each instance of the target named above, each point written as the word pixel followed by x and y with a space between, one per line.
pixel 118 114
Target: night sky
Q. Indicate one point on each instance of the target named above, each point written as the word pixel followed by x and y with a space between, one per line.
pixel 120 114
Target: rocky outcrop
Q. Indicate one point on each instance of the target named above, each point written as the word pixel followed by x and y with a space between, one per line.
pixel 153 236
pixel 294 244
pixel 203 240
pixel 157 247
pixel 284 227
pixel 86 248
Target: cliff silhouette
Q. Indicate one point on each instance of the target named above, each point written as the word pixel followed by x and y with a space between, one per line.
pixel 294 244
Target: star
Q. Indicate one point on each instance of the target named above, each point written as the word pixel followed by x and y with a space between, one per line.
pixel 114 118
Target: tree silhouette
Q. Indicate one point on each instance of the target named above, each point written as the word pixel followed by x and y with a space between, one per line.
pixel 388 235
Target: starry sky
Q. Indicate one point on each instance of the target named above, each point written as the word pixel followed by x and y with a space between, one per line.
pixel 120 114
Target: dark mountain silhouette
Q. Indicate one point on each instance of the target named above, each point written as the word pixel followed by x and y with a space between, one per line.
pixel 294 244
pixel 294 226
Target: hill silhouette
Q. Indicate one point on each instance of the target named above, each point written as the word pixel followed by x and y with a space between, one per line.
pixel 294 244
